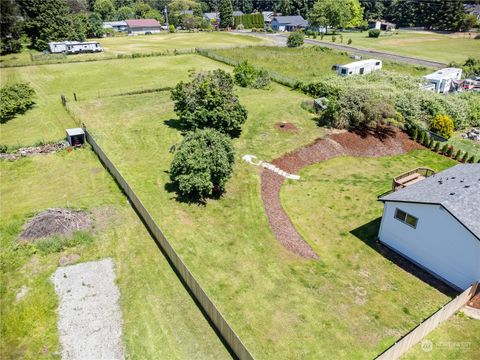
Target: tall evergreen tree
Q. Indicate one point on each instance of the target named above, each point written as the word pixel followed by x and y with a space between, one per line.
pixel 226 14
pixel 10 27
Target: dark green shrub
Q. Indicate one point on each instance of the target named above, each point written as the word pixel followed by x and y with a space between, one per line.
pixel 449 151
pixel 203 163
pixel 334 38
pixel 295 39
pixel 171 28
pixel 458 155
pixel 15 99
pixel 471 159
pixel 246 75
pixel 431 143
pixel 208 101
pixel 415 134
pixel 465 157
pixel 422 137
pixel 444 149
pixel 436 148
pixel 349 41
pixel 374 33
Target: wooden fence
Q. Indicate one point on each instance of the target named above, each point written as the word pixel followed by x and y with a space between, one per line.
pixel 422 330
pixel 207 305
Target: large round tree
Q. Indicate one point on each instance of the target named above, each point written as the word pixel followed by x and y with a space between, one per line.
pixel 203 163
pixel 208 101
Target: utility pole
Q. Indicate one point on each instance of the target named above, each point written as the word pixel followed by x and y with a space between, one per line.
pixel 166 17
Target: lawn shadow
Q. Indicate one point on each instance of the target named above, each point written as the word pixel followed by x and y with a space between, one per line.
pixel 381 132
pixel 177 124
pixel 368 234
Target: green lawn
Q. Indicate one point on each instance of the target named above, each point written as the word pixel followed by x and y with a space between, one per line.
pixel 127 45
pixel 422 44
pixel 457 338
pixel 282 307
pixel 307 63
pixel 47 120
pixel 160 320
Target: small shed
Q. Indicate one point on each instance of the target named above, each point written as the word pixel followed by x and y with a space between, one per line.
pixel 76 137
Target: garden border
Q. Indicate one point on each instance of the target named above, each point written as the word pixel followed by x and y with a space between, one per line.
pixel 209 308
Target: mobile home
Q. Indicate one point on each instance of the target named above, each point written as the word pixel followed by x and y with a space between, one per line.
pixel 74 47
pixel 444 79
pixel 359 67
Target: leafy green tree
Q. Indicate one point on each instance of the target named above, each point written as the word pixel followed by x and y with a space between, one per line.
pixel 125 12
pixel 331 13
pixel 10 26
pixel 208 101
pixel 15 99
pixel 469 22
pixel 105 8
pixel 203 163
pixel 226 14
pixel 356 14
pixel 94 26
pixel 374 9
pixel 295 39
pixel 47 21
pixel 246 75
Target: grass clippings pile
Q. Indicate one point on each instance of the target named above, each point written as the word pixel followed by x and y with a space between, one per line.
pixel 34 150
pixel 337 144
pixel 56 221
pixel 89 316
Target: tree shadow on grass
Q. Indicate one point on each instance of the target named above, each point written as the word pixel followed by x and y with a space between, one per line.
pixel 368 234
pixel 381 132
pixel 184 127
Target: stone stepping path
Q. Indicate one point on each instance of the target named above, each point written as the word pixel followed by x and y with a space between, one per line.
pixel 266 165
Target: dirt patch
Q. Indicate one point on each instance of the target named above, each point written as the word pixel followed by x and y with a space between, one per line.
pixel 35 150
pixel 409 41
pixel 56 221
pixel 104 217
pixel 337 144
pixel 285 126
pixel 68 259
pixel 96 170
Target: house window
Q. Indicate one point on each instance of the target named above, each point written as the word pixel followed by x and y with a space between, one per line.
pixel 406 218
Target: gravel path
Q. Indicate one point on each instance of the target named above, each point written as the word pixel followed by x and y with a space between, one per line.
pixel 89 318
pixel 281 40
pixel 339 144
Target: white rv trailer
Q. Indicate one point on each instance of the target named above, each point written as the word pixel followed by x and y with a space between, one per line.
pixel 74 47
pixel 359 67
pixel 443 79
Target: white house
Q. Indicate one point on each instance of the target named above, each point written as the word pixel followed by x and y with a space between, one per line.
pixel 435 223
pixel 118 26
pixel 74 47
pixel 288 23
pixel 443 79
pixel 359 67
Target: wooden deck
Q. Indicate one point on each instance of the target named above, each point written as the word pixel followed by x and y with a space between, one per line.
pixel 411 177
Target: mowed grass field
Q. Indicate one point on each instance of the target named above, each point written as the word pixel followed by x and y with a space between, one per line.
pixel 282 307
pixel 143 44
pixel 421 44
pixel 457 338
pixel 160 320
pixel 47 120
pixel 306 64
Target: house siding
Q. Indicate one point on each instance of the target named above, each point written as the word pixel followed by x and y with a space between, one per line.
pixel 439 243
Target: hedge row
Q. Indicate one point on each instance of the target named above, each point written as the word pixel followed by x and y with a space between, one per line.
pixel 249 21
pixel 423 137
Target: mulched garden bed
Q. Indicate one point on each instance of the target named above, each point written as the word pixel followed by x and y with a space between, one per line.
pixel 338 144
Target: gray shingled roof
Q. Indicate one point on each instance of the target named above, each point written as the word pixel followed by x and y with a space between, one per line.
pixel 457 189
pixel 295 20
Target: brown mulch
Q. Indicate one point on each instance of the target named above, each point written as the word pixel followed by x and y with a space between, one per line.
pixel 56 221
pixel 338 144
pixel 285 126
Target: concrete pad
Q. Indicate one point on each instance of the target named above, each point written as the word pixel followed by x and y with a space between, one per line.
pixel 89 317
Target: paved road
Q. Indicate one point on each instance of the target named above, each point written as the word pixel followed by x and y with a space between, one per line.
pixel 281 40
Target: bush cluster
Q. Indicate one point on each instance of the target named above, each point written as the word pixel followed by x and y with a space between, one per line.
pixel 246 75
pixel 208 101
pixel 15 98
pixel 374 33
pixel 203 163
pixel 295 39
pixel 442 125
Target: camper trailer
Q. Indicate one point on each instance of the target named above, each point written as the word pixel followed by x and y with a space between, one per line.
pixel 444 79
pixel 74 47
pixel 359 67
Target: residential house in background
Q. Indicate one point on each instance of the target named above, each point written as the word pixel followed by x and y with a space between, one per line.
pixel 473 9
pixel 214 17
pixel 143 26
pixel 381 25
pixel 119 26
pixel 288 23
pixel 435 223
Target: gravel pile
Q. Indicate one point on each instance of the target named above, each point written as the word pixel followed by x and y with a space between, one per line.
pixel 89 317
pixel 338 144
